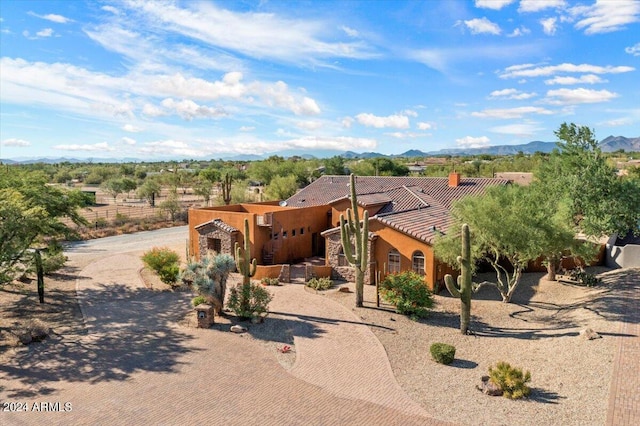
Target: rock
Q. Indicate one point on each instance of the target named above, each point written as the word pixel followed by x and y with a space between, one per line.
pixel 25 338
pixel 489 388
pixel 589 334
pixel 257 320
pixel 344 290
pixel 238 329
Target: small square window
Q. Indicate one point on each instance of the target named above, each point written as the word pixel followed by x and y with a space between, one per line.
pixel 284 234
pixel 275 236
pixel 293 232
pixel 301 231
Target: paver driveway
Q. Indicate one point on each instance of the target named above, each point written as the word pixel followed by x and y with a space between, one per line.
pixel 135 365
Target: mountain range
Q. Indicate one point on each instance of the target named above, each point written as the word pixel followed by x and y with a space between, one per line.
pixel 608 144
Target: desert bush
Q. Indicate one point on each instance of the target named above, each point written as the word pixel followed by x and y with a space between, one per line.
pixel 121 219
pixel 249 301
pixel 198 300
pixel 319 283
pixel 585 278
pixel 269 281
pixel 408 292
pixel 511 380
pixel 164 262
pixel 443 353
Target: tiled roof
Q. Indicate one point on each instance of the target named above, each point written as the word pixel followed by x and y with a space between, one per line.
pixel 412 205
pixel 423 223
pixel 330 188
pixel 220 224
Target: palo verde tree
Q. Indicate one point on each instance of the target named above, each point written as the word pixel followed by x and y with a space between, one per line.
pixel 505 224
pixel 355 237
pixel 31 214
pixel 599 202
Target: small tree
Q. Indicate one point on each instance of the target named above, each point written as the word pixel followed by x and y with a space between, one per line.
pixel 203 188
pixel 208 277
pixel 171 205
pixel 350 230
pixel 282 187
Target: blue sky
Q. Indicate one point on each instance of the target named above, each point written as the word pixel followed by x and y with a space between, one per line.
pixel 207 79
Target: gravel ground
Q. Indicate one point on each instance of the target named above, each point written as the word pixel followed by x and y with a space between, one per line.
pixel 539 331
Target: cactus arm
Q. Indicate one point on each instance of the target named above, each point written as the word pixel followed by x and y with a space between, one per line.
pixel 451 287
pixel 363 244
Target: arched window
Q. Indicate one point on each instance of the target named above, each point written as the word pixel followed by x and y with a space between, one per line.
pixel 417 260
pixel 394 261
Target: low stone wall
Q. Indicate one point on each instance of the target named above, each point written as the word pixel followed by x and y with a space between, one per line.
pixel 267 271
pixel 317 271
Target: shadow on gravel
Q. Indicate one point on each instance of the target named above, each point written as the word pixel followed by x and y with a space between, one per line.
pixel 463 363
pixel 128 331
pixel 545 397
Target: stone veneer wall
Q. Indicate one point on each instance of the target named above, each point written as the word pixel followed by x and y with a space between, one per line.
pixel 347 273
pixel 227 239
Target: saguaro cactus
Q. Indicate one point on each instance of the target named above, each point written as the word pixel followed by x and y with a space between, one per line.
pixel 350 229
pixel 464 285
pixel 245 265
pixel 226 188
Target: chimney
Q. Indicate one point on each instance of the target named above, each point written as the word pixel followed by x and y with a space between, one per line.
pixel 454 179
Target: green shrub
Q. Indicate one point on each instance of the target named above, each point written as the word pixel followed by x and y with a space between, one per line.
pixel 510 379
pixel 164 262
pixel 585 278
pixel 443 353
pixel 248 301
pixel 120 219
pixel 269 281
pixel 408 292
pixel 319 283
pixel 198 300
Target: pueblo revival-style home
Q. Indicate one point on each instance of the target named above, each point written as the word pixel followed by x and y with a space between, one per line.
pixel 405 215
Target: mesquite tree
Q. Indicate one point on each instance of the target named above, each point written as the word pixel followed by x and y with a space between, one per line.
pixel 351 230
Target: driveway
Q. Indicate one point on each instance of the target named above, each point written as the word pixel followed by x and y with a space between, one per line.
pixel 135 364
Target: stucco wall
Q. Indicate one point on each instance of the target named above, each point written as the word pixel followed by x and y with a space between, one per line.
pixel 623 256
pixel 389 239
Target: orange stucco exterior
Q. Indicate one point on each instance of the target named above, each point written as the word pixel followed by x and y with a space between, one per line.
pixel 288 233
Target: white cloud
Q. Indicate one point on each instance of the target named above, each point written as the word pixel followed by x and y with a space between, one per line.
pixel 471 142
pixel 395 121
pixel 59 19
pixel 633 50
pixel 519 32
pixel 350 31
pixel 342 143
pixel 564 80
pixel 255 34
pixel 606 16
pixel 131 128
pixel 538 5
pixel 16 142
pixel 521 129
pixel 509 113
pixel 511 94
pixel 424 125
pixel 410 113
pixel 153 111
pixel 309 125
pixel 170 147
pixel 347 122
pixel 482 26
pixel 45 32
pixel 247 128
pixel 549 25
pixel 531 70
pixel 616 122
pixel 493 4
pixel 110 9
pixel 189 110
pixel 579 96
pixel 102 146
pixel 128 141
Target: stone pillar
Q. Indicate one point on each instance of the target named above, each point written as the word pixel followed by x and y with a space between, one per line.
pixel 204 315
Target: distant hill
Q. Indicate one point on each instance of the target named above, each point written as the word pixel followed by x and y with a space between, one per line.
pixel 609 144
pixel 616 143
